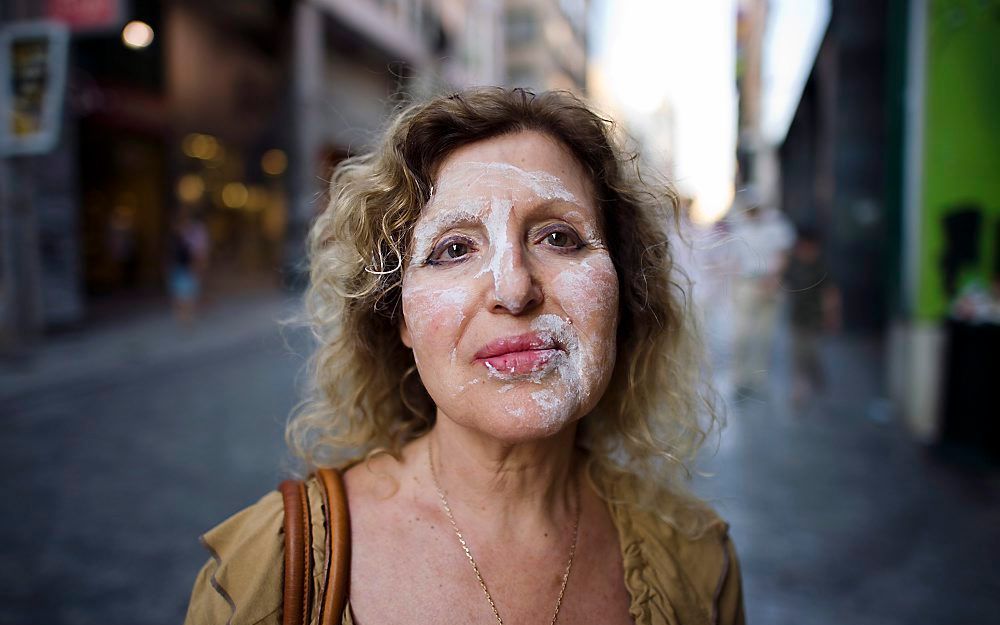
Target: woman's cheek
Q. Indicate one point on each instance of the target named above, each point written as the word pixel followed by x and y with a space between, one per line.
pixel 434 310
pixel 587 291
pixel 588 294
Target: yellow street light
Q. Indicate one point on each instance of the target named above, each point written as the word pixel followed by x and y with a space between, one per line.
pixel 137 35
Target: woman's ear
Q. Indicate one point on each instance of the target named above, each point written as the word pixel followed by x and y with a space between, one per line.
pixel 404 333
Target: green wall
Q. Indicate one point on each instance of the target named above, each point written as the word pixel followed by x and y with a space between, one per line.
pixel 962 142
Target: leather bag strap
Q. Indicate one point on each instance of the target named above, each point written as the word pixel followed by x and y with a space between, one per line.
pixel 338 547
pixel 297 590
pixel 298 574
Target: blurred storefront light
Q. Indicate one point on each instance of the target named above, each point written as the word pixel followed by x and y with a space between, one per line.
pixel 235 195
pixel 258 198
pixel 200 146
pixel 217 158
pixel 274 162
pixel 188 145
pixel 190 188
pixel 137 35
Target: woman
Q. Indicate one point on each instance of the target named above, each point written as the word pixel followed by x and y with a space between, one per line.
pixel 503 340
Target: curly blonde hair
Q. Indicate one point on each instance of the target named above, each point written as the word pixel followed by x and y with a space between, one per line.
pixel 657 410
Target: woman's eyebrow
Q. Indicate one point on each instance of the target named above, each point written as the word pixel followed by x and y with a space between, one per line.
pixel 425 233
pixel 565 209
pixel 447 219
pixel 576 215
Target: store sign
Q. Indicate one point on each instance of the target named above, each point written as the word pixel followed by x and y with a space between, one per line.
pixel 85 15
pixel 33 58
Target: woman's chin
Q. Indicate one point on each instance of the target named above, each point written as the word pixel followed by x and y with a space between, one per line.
pixel 514 422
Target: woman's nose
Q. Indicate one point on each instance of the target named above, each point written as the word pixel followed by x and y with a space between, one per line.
pixel 515 287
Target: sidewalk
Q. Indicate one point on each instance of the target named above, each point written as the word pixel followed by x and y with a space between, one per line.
pixel 112 351
pixel 839 517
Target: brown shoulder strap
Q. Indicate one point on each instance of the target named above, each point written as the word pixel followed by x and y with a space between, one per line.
pixel 297 599
pixel 298 551
pixel 338 547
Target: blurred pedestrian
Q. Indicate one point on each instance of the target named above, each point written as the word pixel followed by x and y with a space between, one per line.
pixel 762 239
pixel 814 308
pixel 189 254
pixel 123 244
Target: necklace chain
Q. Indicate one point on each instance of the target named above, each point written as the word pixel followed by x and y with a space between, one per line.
pixel 472 560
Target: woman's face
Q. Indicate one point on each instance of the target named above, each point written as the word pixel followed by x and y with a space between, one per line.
pixel 510 301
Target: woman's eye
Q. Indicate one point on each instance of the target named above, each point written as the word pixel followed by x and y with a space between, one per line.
pixel 559 238
pixel 456 250
pixel 453 251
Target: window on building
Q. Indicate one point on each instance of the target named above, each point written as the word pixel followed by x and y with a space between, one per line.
pixel 522 26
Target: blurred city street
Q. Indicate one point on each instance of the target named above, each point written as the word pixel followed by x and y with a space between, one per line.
pixel 832 167
pixel 839 518
pixel 119 463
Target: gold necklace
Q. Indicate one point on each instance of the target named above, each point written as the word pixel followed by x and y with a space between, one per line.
pixel 472 561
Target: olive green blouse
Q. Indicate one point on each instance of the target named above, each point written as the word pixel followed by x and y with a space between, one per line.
pixel 671 579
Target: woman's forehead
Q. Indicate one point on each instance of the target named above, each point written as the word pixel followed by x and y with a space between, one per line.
pixel 529 163
pixel 480 192
pixel 477 182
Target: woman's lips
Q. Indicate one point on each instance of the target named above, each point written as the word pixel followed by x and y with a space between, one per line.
pixel 516 363
pixel 516 355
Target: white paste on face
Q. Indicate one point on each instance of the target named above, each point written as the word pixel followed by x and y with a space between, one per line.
pixel 466 211
pixel 495 184
pixel 502 248
pixel 425 304
pixel 555 405
pixel 479 197
pixel 569 377
pixel 587 287
pixel 589 232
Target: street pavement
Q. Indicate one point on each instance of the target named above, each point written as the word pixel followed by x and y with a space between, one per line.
pixel 113 464
pixel 838 517
pixel 121 446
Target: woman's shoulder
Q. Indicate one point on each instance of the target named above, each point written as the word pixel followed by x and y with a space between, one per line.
pixel 679 555
pixel 242 581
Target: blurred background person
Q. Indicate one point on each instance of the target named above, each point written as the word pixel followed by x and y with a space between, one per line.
pixel 189 257
pixel 813 310
pixel 761 239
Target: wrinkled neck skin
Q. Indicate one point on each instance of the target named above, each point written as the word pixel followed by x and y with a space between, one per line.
pixel 528 474
pixel 509 487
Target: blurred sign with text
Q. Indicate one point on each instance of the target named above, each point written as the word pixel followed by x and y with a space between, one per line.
pixel 33 57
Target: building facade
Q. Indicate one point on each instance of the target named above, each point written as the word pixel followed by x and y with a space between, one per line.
pixel 233 112
pixel 891 155
pixel 546 44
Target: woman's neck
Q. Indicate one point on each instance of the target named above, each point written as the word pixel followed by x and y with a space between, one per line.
pixel 511 486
